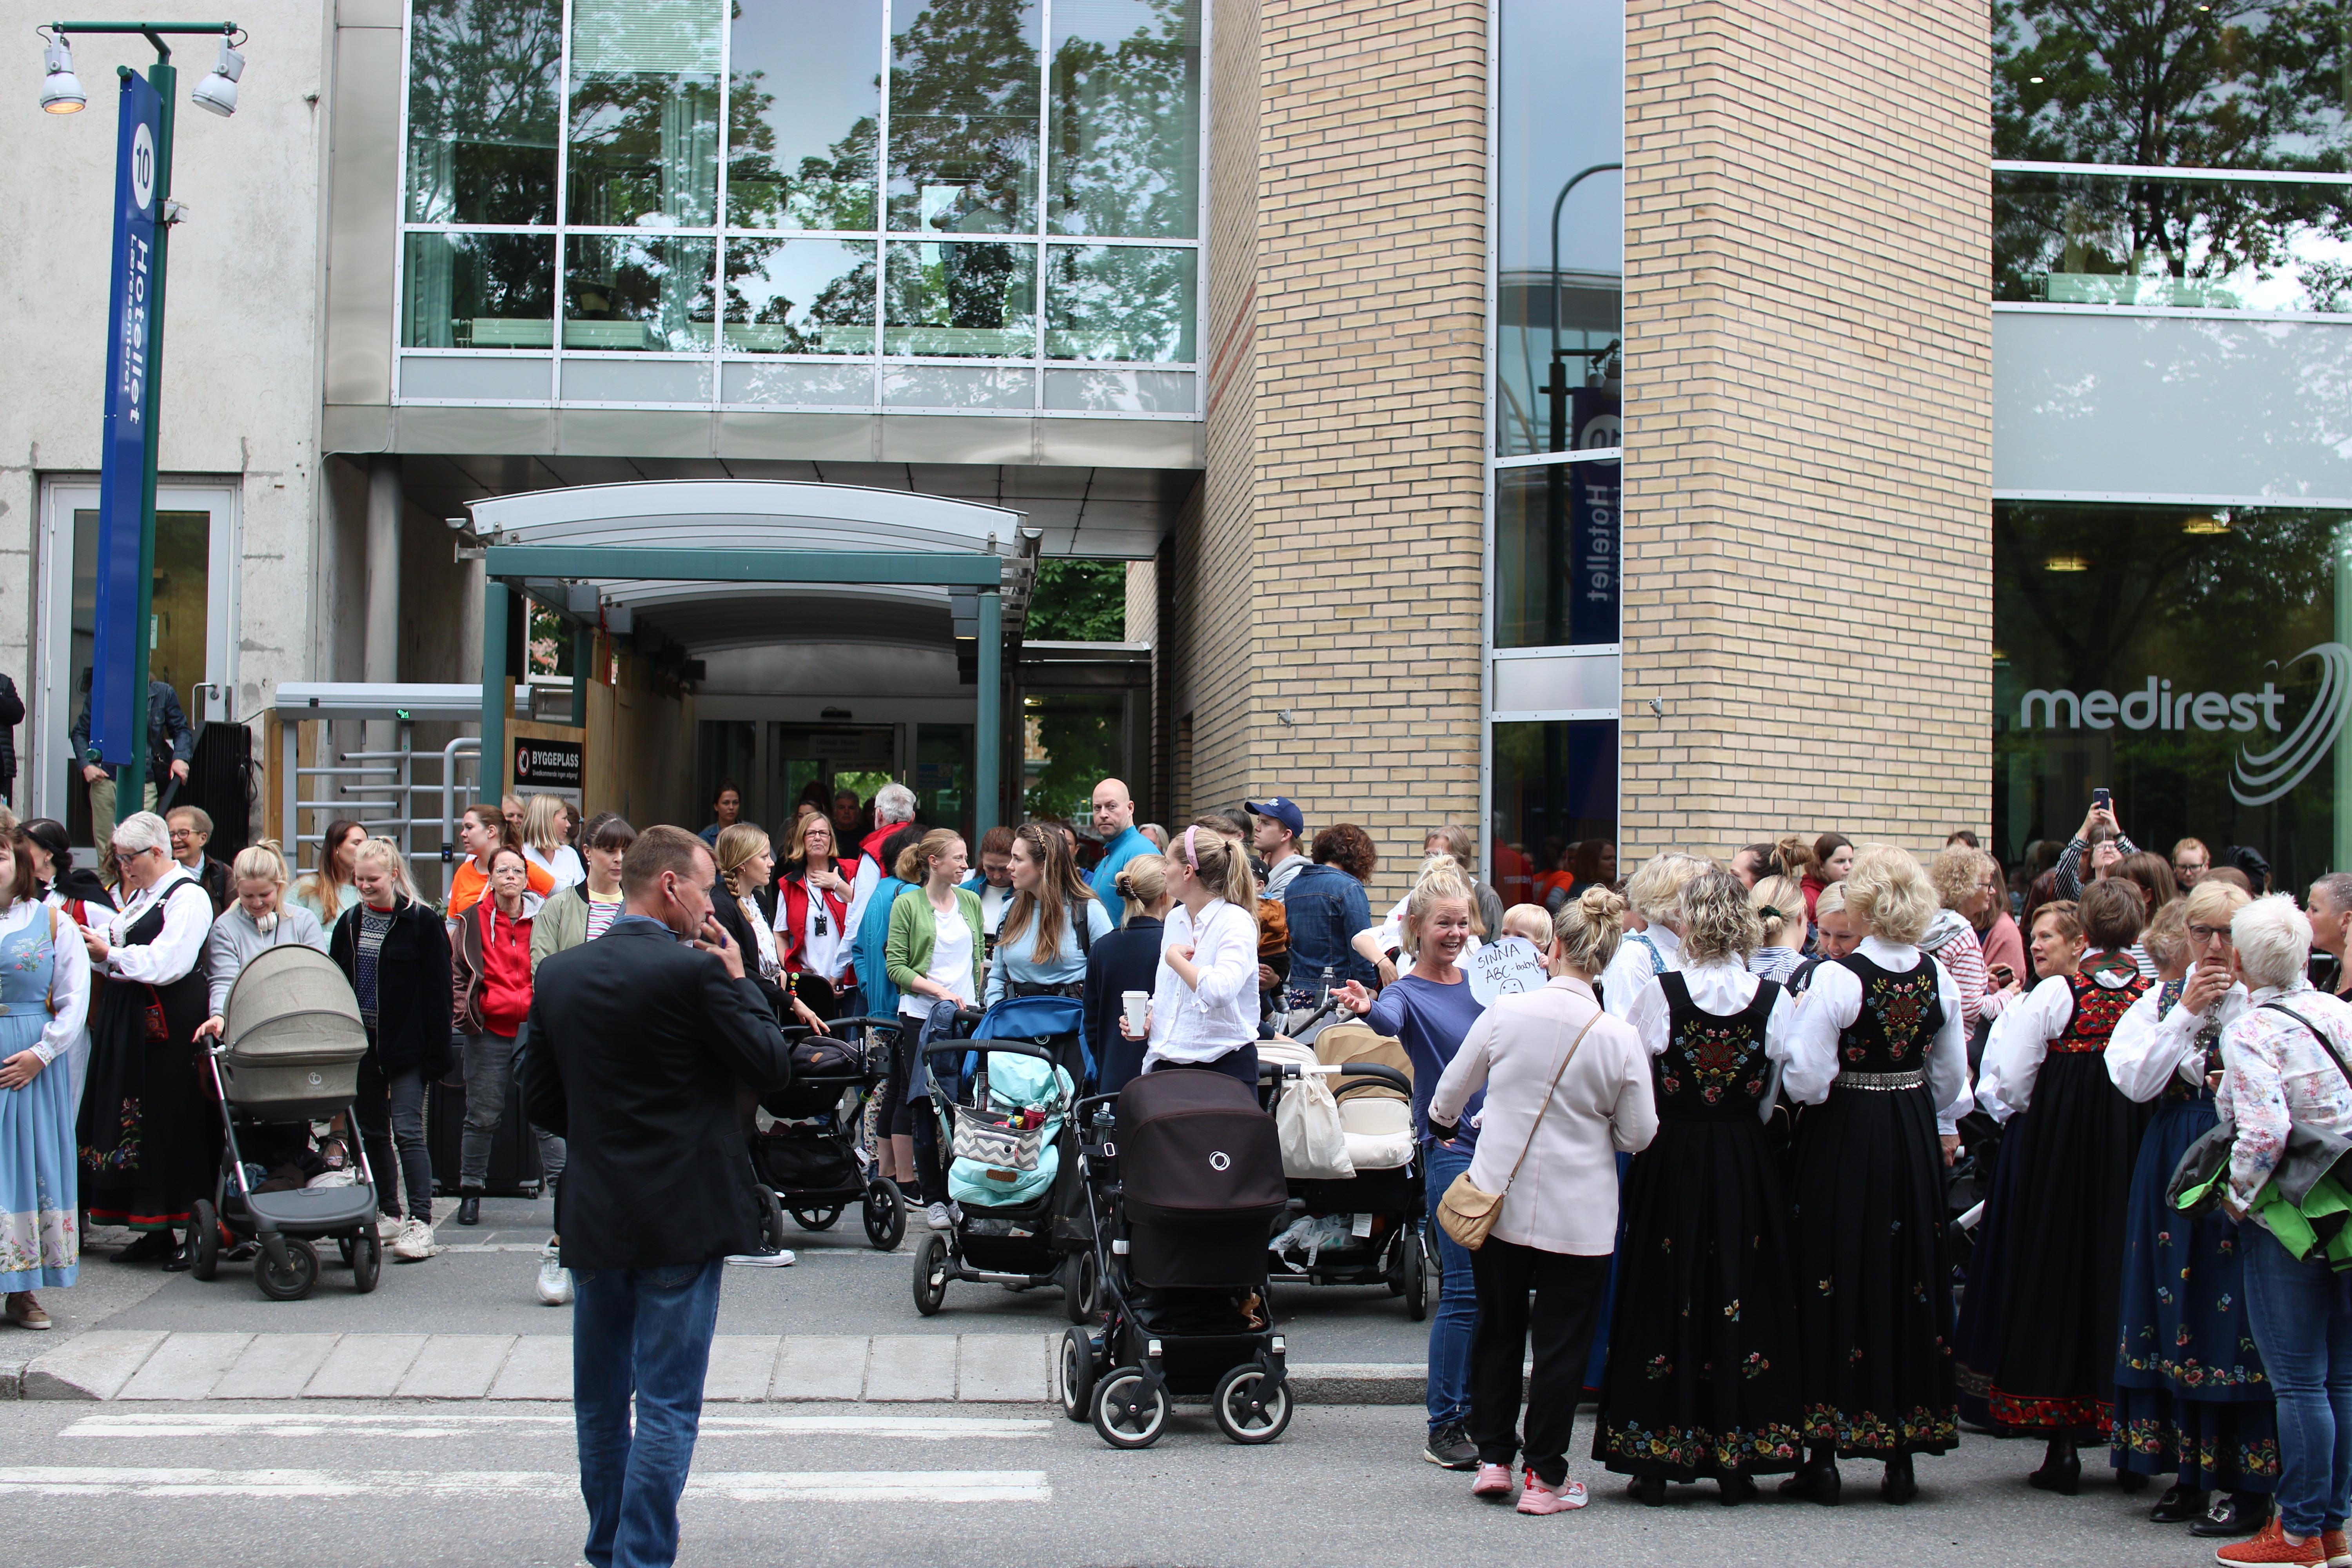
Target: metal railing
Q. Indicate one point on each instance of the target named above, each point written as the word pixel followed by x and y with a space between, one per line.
pixel 379 789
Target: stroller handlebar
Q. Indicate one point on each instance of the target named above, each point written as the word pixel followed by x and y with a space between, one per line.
pixel 865 1021
pixel 1378 1074
pixel 1010 1048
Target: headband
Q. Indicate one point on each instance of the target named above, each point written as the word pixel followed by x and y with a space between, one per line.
pixel 1192 859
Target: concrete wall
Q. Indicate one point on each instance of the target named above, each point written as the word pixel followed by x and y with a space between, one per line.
pixel 1808 432
pixel 239 389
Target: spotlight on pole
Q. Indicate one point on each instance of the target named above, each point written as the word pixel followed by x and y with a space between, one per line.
pixel 61 91
pixel 217 92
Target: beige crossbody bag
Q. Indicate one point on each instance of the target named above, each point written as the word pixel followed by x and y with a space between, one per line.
pixel 1468 1212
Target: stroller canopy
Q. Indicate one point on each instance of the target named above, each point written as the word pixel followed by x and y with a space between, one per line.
pixel 1196 1149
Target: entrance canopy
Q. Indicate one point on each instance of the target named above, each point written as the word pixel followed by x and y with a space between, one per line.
pixel 721 563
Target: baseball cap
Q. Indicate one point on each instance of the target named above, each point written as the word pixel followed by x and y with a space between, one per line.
pixel 1281 809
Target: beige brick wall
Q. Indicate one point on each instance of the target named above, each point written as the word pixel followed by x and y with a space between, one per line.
pixel 1807 423
pixel 1335 572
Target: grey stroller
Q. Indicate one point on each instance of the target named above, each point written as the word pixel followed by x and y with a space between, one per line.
pixel 289 1053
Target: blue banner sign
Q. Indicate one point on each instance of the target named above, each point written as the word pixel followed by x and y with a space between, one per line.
pixel 117 713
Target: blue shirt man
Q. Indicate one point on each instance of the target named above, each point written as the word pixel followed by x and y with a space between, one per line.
pixel 1122 842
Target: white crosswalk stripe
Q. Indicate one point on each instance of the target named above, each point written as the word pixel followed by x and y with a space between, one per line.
pixel 118 1422
pixel 743 1486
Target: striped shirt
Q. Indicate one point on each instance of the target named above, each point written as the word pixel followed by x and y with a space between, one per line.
pixel 600 914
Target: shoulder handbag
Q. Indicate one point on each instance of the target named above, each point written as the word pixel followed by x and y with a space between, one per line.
pixel 1468 1212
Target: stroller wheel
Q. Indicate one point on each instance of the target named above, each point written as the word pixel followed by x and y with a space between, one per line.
pixel 1129 1411
pixel 1422 1279
pixel 817 1219
pixel 930 1274
pixel 300 1273
pixel 367 1262
pixel 884 1216
pixel 1081 1284
pixel 1250 1406
pixel 1078 1374
pixel 204 1239
pixel 772 1218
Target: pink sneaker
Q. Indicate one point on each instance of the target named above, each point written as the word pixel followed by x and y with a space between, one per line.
pixel 1539 1498
pixel 1494 1483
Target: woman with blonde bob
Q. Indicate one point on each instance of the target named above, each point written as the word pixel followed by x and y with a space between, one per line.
pixel 1655 945
pixel 1702 1373
pixel 2220 1432
pixel 1543 1272
pixel 1879 1053
pixel 547 840
pixel 261 916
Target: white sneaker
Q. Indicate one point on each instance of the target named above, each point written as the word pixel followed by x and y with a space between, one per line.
pixel 761 1258
pixel 416 1243
pixel 554 1279
pixel 937 1218
pixel 388 1227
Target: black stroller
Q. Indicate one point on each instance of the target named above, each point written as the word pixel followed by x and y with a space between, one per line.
pixel 808 1161
pixel 1011 1149
pixel 1185 1180
pixel 289 1054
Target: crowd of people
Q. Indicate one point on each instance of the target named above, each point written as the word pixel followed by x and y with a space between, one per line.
pixel 1815 1151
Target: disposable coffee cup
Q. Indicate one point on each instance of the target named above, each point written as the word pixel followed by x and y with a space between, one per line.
pixel 1136 1006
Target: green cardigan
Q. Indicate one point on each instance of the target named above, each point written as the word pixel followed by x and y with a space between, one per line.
pixel 913 930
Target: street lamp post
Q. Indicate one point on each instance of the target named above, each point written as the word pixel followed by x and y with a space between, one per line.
pixel 217 93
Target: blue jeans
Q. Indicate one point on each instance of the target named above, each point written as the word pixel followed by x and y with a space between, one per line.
pixel 1455 1322
pixel 646 1333
pixel 2302 1317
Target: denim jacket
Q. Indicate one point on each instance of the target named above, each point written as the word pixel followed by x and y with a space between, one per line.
pixel 1326 907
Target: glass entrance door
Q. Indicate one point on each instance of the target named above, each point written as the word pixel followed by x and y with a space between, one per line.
pixel 191 639
pixel 818 762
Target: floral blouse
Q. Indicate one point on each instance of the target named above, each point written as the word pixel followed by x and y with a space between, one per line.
pixel 2278 1076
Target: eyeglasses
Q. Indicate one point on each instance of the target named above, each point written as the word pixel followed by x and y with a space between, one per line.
pixel 2186 867
pixel 124 857
pixel 2202 934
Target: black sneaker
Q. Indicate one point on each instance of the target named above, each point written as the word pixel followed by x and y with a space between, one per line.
pixel 1450 1448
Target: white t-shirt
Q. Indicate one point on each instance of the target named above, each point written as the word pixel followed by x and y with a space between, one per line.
pixel 824 954
pixel 993 902
pixel 950 964
pixel 563 866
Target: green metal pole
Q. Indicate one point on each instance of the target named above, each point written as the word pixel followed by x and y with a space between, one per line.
pixel 130 793
pixel 490 774
pixel 988 782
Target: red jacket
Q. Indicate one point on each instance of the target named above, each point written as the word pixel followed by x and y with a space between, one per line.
pixel 792 915
pixel 490 969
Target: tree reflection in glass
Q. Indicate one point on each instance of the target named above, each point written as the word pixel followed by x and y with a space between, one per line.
pixel 963 116
pixel 799 296
pixel 1120 303
pixel 961 300
pixel 2241 84
pixel 645 114
pixel 482 116
pixel 478 291
pixel 1124 119
pixel 797 71
pixel 627 291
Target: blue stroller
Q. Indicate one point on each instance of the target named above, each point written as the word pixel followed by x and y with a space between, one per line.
pixel 1003 1097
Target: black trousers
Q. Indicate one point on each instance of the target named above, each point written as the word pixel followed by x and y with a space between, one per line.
pixel 1566 1291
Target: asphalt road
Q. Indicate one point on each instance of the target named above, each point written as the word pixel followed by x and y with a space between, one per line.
pixel 840 1286
pixel 409 1485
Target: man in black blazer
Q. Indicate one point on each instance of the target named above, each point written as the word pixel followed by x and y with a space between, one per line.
pixel 636 1043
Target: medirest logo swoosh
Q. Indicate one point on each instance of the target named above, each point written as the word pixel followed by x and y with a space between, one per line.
pixel 2262 777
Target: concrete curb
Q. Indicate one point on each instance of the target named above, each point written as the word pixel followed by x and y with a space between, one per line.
pixel 992 1369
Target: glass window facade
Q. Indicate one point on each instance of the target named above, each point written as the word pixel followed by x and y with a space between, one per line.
pixel 2193 661
pixel 1553 582
pixel 883 191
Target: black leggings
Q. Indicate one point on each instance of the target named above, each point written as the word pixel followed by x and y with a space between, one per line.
pixel 1567 1288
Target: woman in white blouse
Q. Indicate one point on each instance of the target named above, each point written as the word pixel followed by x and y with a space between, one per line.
pixel 1880 1054
pixel 150 1134
pixel 1204 994
pixel 44 999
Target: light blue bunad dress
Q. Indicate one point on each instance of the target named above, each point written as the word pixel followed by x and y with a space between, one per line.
pixel 44 1004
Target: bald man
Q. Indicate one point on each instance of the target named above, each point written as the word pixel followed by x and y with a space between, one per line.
pixel 1122 842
